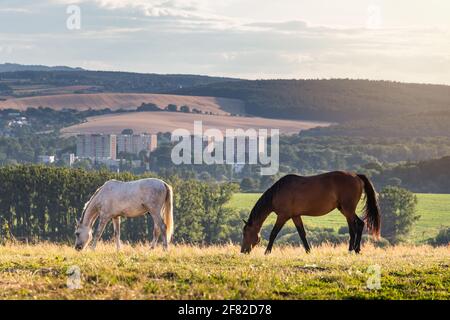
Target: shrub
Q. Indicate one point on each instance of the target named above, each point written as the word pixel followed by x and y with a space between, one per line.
pixel 398 213
pixel 442 238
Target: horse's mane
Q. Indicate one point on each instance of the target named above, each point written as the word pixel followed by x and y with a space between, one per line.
pixel 263 204
pixel 86 205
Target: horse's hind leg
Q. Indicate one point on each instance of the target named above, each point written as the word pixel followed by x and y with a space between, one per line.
pixel 159 223
pixel 156 234
pixel 158 226
pixel 301 232
pixel 350 215
pixel 359 226
pixel 273 235
pixel 351 231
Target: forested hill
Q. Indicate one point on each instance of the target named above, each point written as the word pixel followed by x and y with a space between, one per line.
pixel 12 67
pixel 337 100
pixel 104 81
pixel 432 176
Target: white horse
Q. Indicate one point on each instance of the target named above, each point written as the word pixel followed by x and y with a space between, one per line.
pixel 117 199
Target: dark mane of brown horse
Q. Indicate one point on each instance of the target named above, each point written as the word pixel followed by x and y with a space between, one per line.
pixel 263 206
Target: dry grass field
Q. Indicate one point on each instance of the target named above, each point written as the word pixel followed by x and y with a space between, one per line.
pixel 154 122
pixel 116 101
pixel 188 272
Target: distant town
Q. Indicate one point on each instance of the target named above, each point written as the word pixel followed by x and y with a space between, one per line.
pixel 108 149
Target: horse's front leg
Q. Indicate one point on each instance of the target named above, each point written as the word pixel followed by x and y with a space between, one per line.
pixel 276 229
pixel 116 223
pixel 101 227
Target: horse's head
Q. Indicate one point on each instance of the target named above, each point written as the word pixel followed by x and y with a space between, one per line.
pixel 83 236
pixel 250 238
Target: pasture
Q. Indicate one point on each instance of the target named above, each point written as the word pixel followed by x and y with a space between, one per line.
pixel 221 272
pixel 434 210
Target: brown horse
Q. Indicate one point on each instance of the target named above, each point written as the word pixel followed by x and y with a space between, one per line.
pixel 294 196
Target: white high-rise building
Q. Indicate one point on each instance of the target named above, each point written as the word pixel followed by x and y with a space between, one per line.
pixel 97 146
pixel 135 143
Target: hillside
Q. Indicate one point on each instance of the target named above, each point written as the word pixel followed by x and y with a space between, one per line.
pixel 360 108
pixel 28 83
pixel 424 176
pixel 116 101
pixel 337 100
pixel 13 67
pixel 154 122
pixel 420 125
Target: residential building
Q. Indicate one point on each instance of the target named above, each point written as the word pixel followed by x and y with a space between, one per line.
pixel 135 143
pixel 97 146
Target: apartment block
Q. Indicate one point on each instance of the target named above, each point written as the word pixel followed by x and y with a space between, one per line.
pixel 97 146
pixel 135 143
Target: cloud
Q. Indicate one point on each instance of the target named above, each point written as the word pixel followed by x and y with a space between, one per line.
pixel 295 25
pixel 15 10
pixel 175 36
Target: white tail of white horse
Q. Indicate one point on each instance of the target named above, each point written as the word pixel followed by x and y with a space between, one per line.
pixel 168 212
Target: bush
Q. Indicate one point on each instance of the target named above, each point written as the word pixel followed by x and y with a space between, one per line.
pixel 398 213
pixel 148 107
pixel 442 238
pixel 315 236
pixel 343 230
pixel 380 243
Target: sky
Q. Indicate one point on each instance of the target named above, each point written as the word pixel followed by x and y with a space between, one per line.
pixel 400 40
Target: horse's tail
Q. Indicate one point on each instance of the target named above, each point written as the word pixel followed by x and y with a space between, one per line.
pixel 168 212
pixel 371 209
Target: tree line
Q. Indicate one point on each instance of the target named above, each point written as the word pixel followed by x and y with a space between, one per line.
pixel 39 203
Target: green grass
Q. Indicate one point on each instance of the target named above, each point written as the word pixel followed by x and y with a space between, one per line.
pixel 189 272
pixel 434 210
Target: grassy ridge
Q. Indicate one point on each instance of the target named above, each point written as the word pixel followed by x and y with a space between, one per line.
pixel 185 272
pixel 434 210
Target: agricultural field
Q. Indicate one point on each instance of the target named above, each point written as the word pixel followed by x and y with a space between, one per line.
pixel 154 122
pixel 434 211
pixel 114 101
pixel 48 271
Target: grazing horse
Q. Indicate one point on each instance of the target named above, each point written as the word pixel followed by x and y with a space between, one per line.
pixel 117 199
pixel 294 196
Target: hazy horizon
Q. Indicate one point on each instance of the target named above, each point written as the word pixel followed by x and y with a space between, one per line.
pixel 289 39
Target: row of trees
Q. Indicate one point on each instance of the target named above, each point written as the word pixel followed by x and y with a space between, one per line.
pixel 44 203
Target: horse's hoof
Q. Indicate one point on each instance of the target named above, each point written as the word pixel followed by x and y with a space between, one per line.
pixel 268 252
